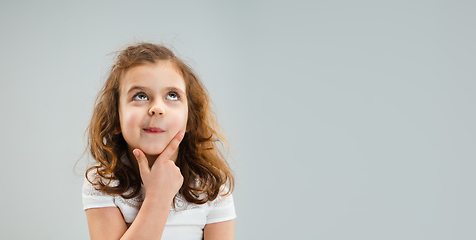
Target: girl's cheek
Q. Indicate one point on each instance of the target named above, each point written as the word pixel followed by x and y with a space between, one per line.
pixel 130 118
pixel 134 117
pixel 184 121
pixel 180 121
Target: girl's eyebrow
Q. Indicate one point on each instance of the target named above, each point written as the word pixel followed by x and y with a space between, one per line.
pixel 175 89
pixel 141 88
pixel 134 88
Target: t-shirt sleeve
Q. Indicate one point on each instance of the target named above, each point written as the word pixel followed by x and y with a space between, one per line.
pixel 93 198
pixel 221 209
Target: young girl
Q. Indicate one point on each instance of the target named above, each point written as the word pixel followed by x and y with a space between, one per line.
pixel 159 173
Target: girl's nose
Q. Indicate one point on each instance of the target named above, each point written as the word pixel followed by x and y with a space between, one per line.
pixel 156 110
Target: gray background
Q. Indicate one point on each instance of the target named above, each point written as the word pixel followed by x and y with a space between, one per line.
pixel 348 119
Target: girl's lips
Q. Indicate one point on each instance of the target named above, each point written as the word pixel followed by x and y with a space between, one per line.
pixel 153 130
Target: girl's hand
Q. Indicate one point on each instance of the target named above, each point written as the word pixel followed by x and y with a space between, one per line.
pixel 163 179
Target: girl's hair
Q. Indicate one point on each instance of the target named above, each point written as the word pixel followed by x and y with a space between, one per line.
pixel 200 160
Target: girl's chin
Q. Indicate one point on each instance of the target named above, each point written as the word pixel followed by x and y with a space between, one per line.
pixel 148 152
pixel 151 153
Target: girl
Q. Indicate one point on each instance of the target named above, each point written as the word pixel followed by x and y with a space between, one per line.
pixel 159 173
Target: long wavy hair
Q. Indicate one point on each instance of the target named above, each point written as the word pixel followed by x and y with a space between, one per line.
pixel 200 157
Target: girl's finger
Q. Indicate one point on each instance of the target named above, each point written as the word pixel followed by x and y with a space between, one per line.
pixel 141 161
pixel 171 148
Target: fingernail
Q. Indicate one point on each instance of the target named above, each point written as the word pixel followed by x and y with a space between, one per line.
pixel 136 153
pixel 181 135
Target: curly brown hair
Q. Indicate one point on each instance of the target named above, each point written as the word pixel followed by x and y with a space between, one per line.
pixel 199 158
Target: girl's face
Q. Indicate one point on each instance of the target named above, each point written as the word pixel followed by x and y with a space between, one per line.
pixel 152 107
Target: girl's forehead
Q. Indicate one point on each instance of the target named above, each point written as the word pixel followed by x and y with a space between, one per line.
pixel 152 75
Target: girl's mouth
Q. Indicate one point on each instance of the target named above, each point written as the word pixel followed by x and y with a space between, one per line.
pixel 154 130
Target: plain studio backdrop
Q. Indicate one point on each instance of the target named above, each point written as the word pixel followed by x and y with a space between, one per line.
pixel 347 119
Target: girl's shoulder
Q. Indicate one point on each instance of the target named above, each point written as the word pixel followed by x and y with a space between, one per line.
pixel 222 208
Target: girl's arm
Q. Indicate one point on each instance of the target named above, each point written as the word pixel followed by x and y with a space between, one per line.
pixel 108 223
pixel 219 231
pixel 105 223
pixel 161 183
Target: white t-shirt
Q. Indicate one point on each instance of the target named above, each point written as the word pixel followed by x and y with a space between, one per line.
pixel 185 221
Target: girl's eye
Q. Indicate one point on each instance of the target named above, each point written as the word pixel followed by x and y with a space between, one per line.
pixel 172 96
pixel 140 97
